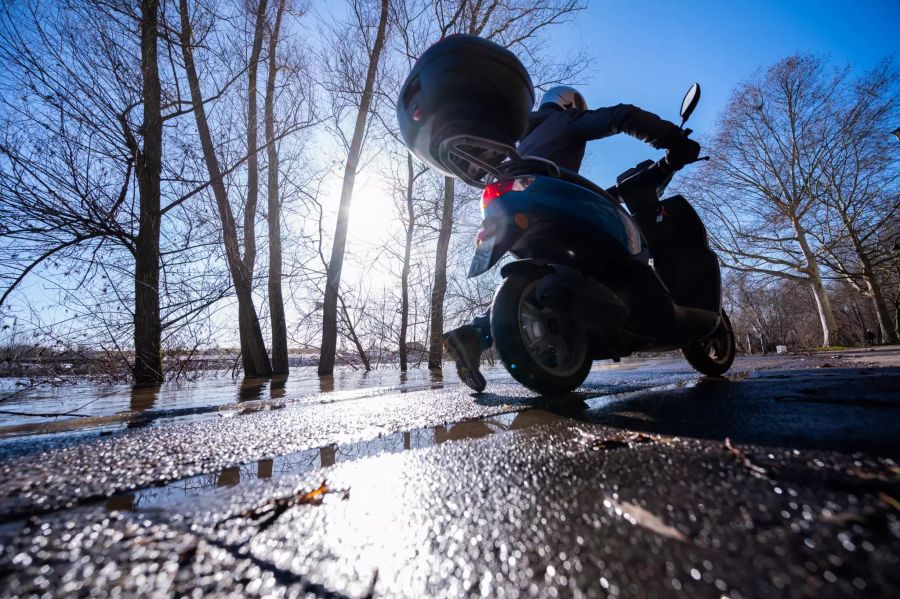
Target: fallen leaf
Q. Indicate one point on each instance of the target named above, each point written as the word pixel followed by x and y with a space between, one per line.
pixel 268 513
pixel 641 438
pixel 889 500
pixel 641 517
pixel 841 518
pixel 629 440
pixel 314 497
pixel 869 475
pixel 744 460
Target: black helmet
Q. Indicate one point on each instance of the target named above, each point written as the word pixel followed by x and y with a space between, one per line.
pixel 564 97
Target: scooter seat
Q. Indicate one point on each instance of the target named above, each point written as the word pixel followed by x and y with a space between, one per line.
pixel 573 177
pixel 531 165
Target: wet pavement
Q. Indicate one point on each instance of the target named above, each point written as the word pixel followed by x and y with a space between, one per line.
pixel 780 480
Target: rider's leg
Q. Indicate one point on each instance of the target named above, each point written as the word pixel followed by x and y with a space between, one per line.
pixel 464 346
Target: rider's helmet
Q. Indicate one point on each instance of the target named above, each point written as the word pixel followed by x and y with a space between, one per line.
pixel 565 97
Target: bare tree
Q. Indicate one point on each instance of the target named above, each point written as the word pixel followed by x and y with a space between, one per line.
pixel 259 19
pixel 276 299
pixel 768 312
pixel 73 147
pixel 253 350
pixel 860 186
pixel 761 190
pixel 372 58
pixel 409 231
pixel 148 160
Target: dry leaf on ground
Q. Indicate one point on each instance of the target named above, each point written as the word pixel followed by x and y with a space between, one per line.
pixel 641 517
pixel 743 459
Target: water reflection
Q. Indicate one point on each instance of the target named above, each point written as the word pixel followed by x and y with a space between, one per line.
pixel 139 406
pixel 229 477
pixel 437 379
pixel 251 389
pixel 278 386
pixel 122 502
pixel 141 401
pixel 329 455
pixel 463 430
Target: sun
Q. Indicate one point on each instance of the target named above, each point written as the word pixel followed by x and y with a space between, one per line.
pixel 373 215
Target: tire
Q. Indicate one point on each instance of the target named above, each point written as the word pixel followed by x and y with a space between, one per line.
pixel 713 355
pixel 531 338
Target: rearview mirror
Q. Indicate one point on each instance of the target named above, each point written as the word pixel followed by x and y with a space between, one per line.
pixel 691 98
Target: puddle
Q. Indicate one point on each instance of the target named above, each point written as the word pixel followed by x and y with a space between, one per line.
pixel 166 496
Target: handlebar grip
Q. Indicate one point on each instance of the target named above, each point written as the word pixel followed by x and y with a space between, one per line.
pixel 688 132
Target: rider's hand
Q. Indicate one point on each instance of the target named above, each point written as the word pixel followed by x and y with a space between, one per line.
pixel 682 152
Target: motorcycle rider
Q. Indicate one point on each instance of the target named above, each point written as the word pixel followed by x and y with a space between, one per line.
pixel 559 131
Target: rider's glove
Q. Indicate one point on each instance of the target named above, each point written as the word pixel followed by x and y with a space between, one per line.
pixel 682 151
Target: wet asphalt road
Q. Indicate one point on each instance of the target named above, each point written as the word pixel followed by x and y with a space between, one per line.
pixel 781 480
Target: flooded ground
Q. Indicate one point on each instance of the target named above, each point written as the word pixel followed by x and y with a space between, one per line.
pixel 87 405
pixel 86 398
pixel 52 408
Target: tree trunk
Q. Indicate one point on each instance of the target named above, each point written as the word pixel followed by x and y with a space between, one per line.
pixel 333 278
pixel 435 348
pixel 276 301
pixel 897 320
pixel 881 309
pixel 253 349
pixel 823 304
pixel 147 326
pixel 407 253
pixel 252 158
pixel 874 289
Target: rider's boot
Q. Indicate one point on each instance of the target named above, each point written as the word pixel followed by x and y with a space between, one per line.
pixel 463 346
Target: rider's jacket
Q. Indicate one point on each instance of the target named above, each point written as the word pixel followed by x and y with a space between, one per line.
pixel 561 135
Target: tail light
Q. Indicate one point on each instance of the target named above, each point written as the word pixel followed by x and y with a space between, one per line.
pixel 492 191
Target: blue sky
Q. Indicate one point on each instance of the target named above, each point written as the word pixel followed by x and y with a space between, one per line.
pixel 647 53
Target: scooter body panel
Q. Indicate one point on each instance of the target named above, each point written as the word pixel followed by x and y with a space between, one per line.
pixel 594 250
pixel 578 209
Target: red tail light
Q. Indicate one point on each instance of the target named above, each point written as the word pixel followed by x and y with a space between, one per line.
pixel 494 190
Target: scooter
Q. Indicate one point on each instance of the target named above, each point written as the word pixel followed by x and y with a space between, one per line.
pixel 590 279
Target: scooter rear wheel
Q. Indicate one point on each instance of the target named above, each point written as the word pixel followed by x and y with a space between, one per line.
pixel 713 355
pixel 544 349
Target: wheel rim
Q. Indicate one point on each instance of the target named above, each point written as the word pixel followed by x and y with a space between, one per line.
pixel 718 345
pixel 550 337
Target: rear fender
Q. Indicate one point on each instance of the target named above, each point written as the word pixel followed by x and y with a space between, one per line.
pixel 527 267
pixel 568 288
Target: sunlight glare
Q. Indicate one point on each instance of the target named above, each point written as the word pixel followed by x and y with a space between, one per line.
pixel 373 217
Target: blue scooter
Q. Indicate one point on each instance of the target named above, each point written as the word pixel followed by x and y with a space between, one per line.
pixel 590 280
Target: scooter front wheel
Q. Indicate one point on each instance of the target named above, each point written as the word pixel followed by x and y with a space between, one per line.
pixel 713 355
pixel 543 348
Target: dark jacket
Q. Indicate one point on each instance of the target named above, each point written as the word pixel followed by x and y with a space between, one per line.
pixel 561 135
